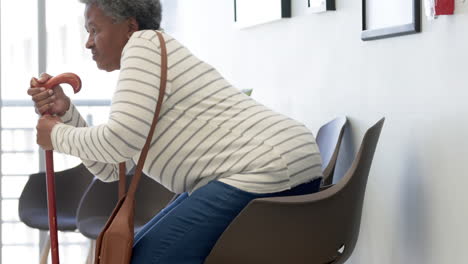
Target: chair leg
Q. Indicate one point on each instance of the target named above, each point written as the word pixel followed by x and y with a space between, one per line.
pixel 90 258
pixel 45 251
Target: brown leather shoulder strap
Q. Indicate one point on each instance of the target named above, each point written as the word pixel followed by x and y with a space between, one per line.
pixel 144 152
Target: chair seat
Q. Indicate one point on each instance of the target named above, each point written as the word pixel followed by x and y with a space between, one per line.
pixel 38 218
pixel 91 227
pixel 70 185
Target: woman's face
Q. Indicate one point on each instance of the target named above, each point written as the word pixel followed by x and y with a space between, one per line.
pixel 106 38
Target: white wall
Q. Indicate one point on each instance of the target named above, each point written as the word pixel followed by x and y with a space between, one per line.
pixel 314 67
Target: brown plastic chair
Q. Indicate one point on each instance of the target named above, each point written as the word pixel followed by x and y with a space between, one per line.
pixel 316 228
pixel 70 185
pixel 328 139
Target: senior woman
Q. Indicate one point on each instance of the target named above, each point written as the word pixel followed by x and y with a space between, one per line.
pixel 215 145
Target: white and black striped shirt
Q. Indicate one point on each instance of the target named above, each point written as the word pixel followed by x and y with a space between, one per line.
pixel 207 130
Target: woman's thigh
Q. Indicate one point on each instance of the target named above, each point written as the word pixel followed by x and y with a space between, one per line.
pixel 188 231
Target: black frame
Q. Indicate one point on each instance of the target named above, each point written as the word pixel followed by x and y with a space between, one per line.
pixel 330 5
pixel 285 9
pixel 394 31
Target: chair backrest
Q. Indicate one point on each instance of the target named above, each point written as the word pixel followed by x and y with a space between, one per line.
pixel 308 228
pixel 70 186
pixel 351 190
pixel 151 198
pixel 101 198
pixel 328 139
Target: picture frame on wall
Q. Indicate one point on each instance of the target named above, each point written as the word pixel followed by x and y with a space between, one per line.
pixel 391 18
pixel 318 6
pixel 249 13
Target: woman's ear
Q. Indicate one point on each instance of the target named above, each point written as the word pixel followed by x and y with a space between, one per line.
pixel 132 26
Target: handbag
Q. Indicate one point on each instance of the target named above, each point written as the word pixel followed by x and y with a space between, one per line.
pixel 115 242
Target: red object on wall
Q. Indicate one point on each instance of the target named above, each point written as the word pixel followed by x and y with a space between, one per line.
pixel 444 7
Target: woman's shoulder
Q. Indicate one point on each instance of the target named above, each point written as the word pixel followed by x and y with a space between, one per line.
pixel 151 35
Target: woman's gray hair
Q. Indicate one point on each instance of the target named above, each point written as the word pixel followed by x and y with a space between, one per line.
pixel 146 12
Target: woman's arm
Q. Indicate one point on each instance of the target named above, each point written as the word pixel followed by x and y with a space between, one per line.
pixel 105 171
pixel 73 117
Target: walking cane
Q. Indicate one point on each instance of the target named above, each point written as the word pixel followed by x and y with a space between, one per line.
pixel 75 82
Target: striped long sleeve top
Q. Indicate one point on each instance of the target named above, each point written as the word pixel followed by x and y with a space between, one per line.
pixel 207 130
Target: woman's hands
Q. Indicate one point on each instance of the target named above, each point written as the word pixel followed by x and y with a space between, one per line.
pixel 53 100
pixel 44 129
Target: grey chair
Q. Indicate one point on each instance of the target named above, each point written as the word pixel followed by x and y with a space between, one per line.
pixel 70 185
pixel 316 228
pixel 101 197
pixel 328 139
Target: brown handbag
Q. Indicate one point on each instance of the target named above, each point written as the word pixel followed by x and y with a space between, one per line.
pixel 115 242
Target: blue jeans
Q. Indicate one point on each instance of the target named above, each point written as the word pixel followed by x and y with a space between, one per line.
pixel 186 230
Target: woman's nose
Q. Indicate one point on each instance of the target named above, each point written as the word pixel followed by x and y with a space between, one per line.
pixel 89 43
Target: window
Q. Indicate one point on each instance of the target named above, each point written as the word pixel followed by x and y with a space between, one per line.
pixel 20 156
pixel 18 63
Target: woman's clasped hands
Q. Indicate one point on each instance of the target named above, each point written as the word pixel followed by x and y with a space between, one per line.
pixel 54 102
